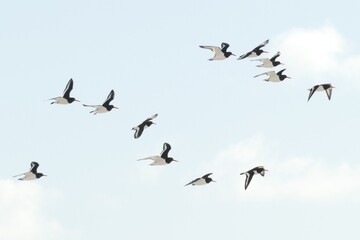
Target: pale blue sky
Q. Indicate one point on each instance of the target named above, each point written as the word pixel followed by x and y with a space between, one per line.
pixel 216 116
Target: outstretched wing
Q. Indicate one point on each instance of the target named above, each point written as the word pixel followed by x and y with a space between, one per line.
pixel 138 131
pixel 244 56
pixel 34 167
pixel 274 57
pixel 279 73
pixel 269 74
pixel 109 98
pixel 312 90
pixel 261 45
pixel 328 92
pixel 151 118
pixel 249 176
pixel 166 149
pixel 206 175
pixel 215 50
pixel 68 88
pixel 192 182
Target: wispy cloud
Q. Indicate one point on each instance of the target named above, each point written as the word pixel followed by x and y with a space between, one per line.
pixel 319 53
pixel 22 216
pixel 290 177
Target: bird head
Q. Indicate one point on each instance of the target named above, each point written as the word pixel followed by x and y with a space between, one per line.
pixel 112 107
pixel 71 100
pixel 39 175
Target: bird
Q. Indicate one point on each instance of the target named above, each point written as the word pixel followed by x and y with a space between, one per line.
pixel 65 99
pixel 105 107
pixel 145 124
pixel 32 174
pixel 201 181
pixel 269 63
pixel 274 77
pixel 163 159
pixel 219 53
pixel 251 173
pixel 327 87
pixel 255 52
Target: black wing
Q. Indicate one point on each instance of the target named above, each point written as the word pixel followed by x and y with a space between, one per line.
pixel 138 131
pixel 165 152
pixel 68 88
pixel 150 118
pixel 328 92
pixel 312 90
pixel 274 57
pixel 224 47
pixel 206 176
pixel 109 98
pixel 244 56
pixel 34 167
pixel 249 176
pixel 279 73
pixel 260 46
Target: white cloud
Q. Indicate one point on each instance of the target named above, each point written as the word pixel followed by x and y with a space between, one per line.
pixel 300 178
pixel 318 54
pixel 22 215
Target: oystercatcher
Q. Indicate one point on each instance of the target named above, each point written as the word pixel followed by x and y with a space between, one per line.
pixel 105 107
pixel 163 159
pixel 327 87
pixel 255 52
pixel 219 53
pixel 249 174
pixel 145 124
pixel 269 63
pixel 32 174
pixel 201 181
pixel 274 77
pixel 65 99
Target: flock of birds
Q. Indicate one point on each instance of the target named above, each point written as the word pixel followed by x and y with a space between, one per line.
pixel 163 158
pixel 222 53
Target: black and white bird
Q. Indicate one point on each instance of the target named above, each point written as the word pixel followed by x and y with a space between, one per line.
pixel 255 52
pixel 249 174
pixel 105 107
pixel 145 124
pixel 32 174
pixel 163 159
pixel 273 76
pixel 65 99
pixel 269 63
pixel 327 87
pixel 201 181
pixel 219 53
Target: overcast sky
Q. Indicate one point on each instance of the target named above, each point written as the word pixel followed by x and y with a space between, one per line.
pixel 215 115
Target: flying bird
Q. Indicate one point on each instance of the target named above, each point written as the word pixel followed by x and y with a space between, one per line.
pixel 145 124
pixel 65 99
pixel 269 63
pixel 273 76
pixel 32 174
pixel 255 52
pixel 201 181
pixel 219 53
pixel 327 87
pixel 249 174
pixel 163 159
pixel 105 107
